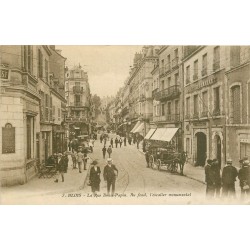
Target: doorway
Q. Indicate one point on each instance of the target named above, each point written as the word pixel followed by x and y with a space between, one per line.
pixel 201 149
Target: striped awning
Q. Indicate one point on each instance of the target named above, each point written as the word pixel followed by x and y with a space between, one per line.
pixel 140 128
pixel 164 134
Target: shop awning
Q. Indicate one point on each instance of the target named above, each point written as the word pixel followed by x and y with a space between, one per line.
pixel 150 133
pixel 136 125
pixel 164 134
pixel 140 128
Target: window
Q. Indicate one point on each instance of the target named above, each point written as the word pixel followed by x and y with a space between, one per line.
pixel 196 103
pixel 162 84
pixel 46 107
pixel 59 113
pixel 204 101
pixel 217 101
pixel 29 128
pixel 40 64
pixel 46 71
pixel 168 58
pixel 188 145
pixel 77 100
pixel 162 62
pixel 169 108
pixel 176 104
pixel 216 64
pixel 53 110
pixel 30 59
pixel 195 70
pixel 236 104
pixel 162 109
pixel 234 56
pixel 244 150
pixel 204 65
pixel 169 82
pixel 188 106
pixel 176 53
pixel 187 74
pixel 176 79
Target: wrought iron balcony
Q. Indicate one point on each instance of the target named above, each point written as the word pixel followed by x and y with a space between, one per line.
pixel 154 92
pixel 76 119
pixel 204 72
pixel 175 62
pixel 168 93
pixel 173 117
pixel 77 90
pixel 216 65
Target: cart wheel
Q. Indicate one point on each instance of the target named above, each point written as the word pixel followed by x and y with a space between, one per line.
pixel 158 164
pixel 151 161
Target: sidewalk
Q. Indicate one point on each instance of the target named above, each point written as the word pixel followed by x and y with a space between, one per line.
pixel 46 186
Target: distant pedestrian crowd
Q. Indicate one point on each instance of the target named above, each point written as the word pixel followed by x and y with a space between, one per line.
pixel 222 183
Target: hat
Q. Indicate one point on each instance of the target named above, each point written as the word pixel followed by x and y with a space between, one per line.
pixel 109 159
pixel 229 161
pixel 209 161
pixel 246 163
pixel 94 162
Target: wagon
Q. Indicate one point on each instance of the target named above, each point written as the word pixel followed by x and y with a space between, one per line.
pixel 163 158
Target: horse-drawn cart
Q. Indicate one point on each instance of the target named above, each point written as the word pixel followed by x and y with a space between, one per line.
pixel 165 152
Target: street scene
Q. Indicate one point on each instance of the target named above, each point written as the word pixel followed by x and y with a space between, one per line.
pixel 125 124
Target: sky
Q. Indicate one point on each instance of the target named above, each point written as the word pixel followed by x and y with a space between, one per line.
pixel 107 66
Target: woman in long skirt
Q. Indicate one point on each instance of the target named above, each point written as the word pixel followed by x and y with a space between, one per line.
pixel 94 177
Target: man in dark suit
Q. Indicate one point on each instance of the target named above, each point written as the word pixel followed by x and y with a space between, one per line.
pixel 110 173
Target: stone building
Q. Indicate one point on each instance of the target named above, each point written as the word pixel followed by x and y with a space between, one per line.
pixel 77 94
pixel 204 103
pixel 238 102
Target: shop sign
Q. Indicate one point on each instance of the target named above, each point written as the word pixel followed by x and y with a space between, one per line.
pixel 245 140
pixel 199 124
pixel 4 74
pixel 8 139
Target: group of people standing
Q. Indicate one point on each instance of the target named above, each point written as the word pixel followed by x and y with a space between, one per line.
pixel 110 174
pixel 226 181
pixel 109 150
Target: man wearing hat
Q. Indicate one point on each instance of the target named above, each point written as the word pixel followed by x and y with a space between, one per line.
pixel 229 174
pixel 209 178
pixel 244 177
pixel 110 173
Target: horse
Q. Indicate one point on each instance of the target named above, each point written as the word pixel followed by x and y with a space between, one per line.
pixel 182 161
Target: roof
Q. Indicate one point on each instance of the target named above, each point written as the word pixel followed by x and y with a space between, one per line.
pixel 164 134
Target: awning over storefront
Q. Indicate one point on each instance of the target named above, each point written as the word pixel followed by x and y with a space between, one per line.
pixel 135 127
pixel 164 134
pixel 150 133
pixel 140 128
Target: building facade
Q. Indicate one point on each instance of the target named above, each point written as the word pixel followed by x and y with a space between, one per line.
pixel 77 94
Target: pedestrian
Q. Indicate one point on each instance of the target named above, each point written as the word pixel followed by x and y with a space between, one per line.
pixel 69 145
pixel 209 179
pixel 229 174
pixel 147 158
pixel 110 174
pixel 60 167
pixel 101 138
pixel 85 160
pixel 216 167
pixel 65 161
pixel 111 142
pixel 104 151
pixel 91 146
pixel 120 141
pixel 125 141
pixel 74 157
pixel 109 150
pixel 94 177
pixel 79 160
pixel 116 142
pixel 244 177
pixel 137 142
pixel 129 140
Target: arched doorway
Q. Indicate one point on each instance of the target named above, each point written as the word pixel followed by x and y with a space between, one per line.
pixel 201 149
pixel 218 149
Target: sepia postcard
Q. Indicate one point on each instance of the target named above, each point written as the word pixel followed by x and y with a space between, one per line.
pixel 127 124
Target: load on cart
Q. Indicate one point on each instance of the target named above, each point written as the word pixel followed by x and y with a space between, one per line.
pixel 164 149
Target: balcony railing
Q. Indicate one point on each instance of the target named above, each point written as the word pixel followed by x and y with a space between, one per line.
pixel 168 93
pixel 204 72
pixel 204 113
pixel 216 65
pixel 78 89
pixel 159 118
pixel 76 119
pixel 154 92
pixel 167 118
pixel 175 62
pixel 195 77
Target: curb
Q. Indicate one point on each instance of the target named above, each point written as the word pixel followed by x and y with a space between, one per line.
pixel 188 176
